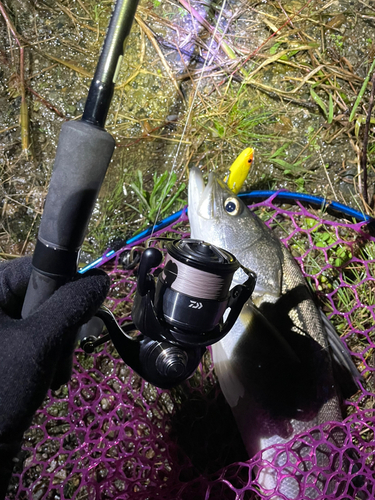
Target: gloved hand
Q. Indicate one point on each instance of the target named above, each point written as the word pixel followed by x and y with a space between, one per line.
pixel 30 348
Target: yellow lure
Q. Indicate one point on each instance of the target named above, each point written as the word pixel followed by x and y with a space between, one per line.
pixel 239 170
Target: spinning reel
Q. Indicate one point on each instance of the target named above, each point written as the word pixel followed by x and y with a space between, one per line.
pixel 180 314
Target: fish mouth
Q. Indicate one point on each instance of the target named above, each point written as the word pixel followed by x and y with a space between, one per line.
pixel 201 199
pixel 205 200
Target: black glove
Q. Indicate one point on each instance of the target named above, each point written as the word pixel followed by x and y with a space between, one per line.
pixel 30 348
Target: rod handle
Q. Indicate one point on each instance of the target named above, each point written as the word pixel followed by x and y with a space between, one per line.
pixel 82 158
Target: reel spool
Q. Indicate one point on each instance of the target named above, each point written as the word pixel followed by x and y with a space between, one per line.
pixel 192 290
pixel 180 314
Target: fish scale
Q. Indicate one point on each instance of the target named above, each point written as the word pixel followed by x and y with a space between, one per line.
pixel 274 367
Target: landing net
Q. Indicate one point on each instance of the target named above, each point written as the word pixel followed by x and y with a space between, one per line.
pixel 109 434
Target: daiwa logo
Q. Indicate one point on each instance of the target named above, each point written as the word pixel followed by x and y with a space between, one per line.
pixel 195 305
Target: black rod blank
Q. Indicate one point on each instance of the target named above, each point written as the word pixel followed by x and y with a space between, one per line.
pixel 102 85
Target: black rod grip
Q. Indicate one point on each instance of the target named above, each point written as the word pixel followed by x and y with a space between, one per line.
pixel 82 158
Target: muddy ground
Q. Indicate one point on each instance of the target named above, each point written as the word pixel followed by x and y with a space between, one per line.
pixel 283 77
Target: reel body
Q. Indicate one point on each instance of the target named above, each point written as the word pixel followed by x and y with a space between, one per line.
pixel 181 313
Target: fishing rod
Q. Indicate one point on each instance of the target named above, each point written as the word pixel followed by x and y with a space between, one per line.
pixel 83 154
pixel 176 325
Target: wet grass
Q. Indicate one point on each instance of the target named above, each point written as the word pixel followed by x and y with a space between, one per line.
pixel 293 81
pixel 157 203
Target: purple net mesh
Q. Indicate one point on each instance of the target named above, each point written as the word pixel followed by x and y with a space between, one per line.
pixel 111 435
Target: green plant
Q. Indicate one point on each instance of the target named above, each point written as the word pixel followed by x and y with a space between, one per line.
pixel 289 168
pixel 348 299
pixel 182 12
pixel 325 237
pixel 328 114
pixel 312 138
pixel 300 184
pixel 160 200
pixel 362 91
pixel 98 10
pixel 337 40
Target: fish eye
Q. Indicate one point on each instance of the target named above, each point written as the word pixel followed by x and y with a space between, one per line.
pixel 232 206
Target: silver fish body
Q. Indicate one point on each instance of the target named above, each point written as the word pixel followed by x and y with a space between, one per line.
pixel 274 366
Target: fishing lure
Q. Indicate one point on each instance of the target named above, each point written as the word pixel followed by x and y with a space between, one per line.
pixel 239 170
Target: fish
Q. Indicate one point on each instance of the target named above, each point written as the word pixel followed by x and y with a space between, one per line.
pixel 276 366
pixel 239 170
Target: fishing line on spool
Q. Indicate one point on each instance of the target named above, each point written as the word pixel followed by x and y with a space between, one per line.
pixel 197 283
pixel 189 113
